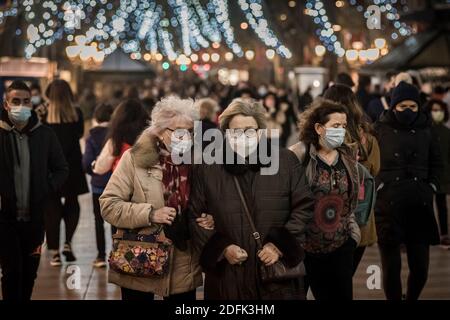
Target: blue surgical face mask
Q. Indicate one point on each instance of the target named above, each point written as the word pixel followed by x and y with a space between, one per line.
pixel 334 137
pixel 19 114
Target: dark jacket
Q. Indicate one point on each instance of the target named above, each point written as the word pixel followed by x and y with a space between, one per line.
pixel 442 134
pixel 69 135
pixel 94 144
pixel 281 205
pixel 376 108
pixel 410 163
pixel 307 155
pixel 48 167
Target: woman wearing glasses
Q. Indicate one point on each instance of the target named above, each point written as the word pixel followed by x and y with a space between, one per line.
pixel 148 190
pixel 331 170
pixel 280 204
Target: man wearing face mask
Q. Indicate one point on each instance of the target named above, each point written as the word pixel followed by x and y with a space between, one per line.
pixel 332 173
pixel 408 179
pixel 31 166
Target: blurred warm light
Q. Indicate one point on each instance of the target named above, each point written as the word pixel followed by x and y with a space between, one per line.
pixel 147 57
pixel 229 56
pixel 216 45
pixel 357 45
pixel 172 57
pixel 337 28
pixel 249 54
pixel 283 17
pixel 292 3
pixel 363 56
pixel 270 54
pixel 158 57
pixel 194 57
pixel 183 60
pixel 132 56
pixel 205 57
pixel 384 51
pixel 316 83
pixel 73 51
pixel 99 56
pixel 87 52
pixel 373 53
pixel 320 50
pixel 244 25
pixel 380 43
pixel 351 55
pixel 215 57
pixel 80 40
pixel 339 4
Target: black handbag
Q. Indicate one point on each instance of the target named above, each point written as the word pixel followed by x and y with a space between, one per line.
pixel 278 271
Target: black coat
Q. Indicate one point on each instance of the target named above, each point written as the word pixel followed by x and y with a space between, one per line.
pixel 410 163
pixel 281 205
pixel 48 167
pixel 69 135
pixel 442 134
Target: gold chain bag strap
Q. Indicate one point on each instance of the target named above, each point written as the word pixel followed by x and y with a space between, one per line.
pixel 278 271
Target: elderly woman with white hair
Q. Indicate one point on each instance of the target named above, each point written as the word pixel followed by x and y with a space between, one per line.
pixel 146 199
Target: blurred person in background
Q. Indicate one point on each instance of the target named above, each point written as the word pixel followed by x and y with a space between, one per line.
pixel 94 144
pixel 66 120
pixel 378 105
pixel 128 121
pixel 38 101
pixel 345 79
pixel 364 91
pixel 439 113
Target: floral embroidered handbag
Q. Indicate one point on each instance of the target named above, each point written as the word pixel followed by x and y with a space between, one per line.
pixel 141 255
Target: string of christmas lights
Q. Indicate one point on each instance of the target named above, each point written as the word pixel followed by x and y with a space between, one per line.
pixel 139 26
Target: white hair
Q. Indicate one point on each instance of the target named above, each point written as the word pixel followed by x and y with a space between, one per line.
pixel 172 107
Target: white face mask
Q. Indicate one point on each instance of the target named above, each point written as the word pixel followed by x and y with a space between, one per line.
pixel 334 137
pixel 438 116
pixel 243 145
pixel 178 146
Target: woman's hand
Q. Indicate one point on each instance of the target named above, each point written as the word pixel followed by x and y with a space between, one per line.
pixel 235 254
pixel 206 221
pixel 164 215
pixel 269 254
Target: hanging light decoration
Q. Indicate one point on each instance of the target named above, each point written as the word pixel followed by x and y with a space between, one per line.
pixel 325 31
pixel 140 27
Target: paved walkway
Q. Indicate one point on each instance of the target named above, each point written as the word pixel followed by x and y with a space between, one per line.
pixel 56 283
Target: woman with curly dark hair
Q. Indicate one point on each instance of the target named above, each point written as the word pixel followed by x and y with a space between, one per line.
pixel 331 170
pixel 360 135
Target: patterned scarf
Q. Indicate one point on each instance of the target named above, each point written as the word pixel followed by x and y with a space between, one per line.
pixel 176 186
